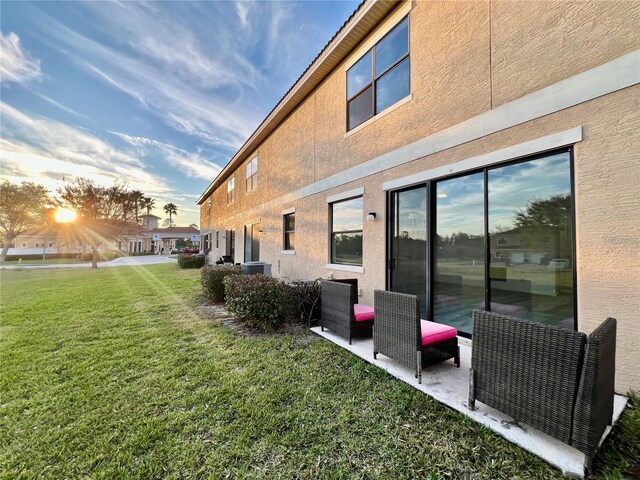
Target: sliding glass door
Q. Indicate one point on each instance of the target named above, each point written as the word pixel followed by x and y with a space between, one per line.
pixel 498 238
pixel 408 249
pixel 459 251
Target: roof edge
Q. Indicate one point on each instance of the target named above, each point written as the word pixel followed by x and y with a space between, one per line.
pixel 369 11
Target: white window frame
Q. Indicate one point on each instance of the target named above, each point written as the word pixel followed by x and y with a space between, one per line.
pixel 231 187
pixel 251 174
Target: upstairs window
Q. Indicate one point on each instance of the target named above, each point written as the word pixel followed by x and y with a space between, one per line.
pixel 209 208
pixel 380 78
pixel 290 231
pixel 252 174
pixel 231 190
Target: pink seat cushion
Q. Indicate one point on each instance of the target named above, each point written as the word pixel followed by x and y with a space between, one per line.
pixel 433 332
pixel 362 312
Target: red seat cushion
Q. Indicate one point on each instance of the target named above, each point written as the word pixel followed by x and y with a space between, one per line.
pixel 362 312
pixel 433 332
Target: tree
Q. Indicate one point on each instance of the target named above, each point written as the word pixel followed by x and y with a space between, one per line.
pixel 554 211
pixel 102 213
pixel 148 204
pixel 170 209
pixel 136 200
pixel 21 207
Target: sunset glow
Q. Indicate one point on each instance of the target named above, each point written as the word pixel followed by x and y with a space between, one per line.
pixel 64 215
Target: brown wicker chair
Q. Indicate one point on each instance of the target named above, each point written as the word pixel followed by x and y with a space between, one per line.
pixel 556 380
pixel 337 313
pixel 398 333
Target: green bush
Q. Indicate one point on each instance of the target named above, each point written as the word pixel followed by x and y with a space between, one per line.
pixel 190 261
pixel 212 278
pixel 108 256
pixel 260 301
pixel 86 256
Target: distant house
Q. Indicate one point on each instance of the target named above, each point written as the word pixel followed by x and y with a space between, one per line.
pixel 56 240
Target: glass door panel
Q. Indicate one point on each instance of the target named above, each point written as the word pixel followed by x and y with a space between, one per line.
pixel 459 251
pixel 408 262
pixel 531 244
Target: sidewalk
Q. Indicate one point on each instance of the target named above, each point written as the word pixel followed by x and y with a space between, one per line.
pixel 118 262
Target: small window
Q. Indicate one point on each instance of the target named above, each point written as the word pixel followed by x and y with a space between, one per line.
pixel 217 239
pixel 252 174
pixel 346 232
pixel 231 187
pixel 37 244
pixel 290 231
pixel 50 244
pixel 24 244
pixel 380 78
pixel 209 207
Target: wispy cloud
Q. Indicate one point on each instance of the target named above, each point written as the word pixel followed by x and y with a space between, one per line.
pixel 37 145
pixel 16 65
pixel 192 164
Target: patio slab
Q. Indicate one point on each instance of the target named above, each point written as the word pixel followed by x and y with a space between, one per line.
pixel 450 385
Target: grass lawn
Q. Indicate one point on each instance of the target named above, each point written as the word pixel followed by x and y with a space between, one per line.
pixel 115 372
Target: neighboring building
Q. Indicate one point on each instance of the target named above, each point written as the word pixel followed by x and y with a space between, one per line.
pixel 423 130
pixel 57 240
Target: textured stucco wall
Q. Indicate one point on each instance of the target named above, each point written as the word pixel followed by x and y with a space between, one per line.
pixel 451 81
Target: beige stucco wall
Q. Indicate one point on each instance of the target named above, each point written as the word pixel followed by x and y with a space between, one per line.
pixel 452 81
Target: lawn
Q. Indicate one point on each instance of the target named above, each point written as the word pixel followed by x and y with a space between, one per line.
pixel 116 372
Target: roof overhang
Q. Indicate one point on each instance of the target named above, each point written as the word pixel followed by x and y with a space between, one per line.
pixel 355 29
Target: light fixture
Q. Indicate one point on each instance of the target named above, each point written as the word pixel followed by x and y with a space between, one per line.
pixel 371 216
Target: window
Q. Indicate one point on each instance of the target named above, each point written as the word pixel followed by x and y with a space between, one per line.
pixel 231 187
pixel 346 232
pixel 208 208
pixel 380 78
pixel 24 244
pixel 217 239
pixel 290 231
pixel 252 174
pixel 50 244
pixel 37 244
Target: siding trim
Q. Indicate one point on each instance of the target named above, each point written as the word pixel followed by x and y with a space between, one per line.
pixel 356 192
pixel 539 145
pixel 345 268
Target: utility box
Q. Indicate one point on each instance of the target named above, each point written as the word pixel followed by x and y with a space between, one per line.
pixel 254 268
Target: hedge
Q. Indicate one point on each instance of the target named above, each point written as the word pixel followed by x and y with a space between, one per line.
pixel 190 261
pixel 258 300
pixel 212 278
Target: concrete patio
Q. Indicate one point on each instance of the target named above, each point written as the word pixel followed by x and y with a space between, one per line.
pixel 449 385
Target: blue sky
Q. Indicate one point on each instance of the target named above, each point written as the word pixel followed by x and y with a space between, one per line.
pixel 156 94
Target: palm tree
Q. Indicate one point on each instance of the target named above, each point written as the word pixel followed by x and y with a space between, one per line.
pixel 136 199
pixel 170 209
pixel 148 203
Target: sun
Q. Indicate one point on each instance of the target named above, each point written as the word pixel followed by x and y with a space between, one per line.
pixel 64 215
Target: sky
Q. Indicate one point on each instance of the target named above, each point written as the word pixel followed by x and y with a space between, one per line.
pixel 160 95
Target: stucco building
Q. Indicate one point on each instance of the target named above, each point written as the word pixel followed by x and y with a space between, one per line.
pixel 480 153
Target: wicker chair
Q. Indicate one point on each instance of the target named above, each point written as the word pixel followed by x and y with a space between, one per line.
pixel 398 333
pixel 558 381
pixel 337 312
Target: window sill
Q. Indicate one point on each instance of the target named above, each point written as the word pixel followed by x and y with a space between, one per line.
pixel 345 268
pixel 386 111
pixel 288 252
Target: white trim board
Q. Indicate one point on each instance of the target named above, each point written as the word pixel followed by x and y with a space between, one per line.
pixel 609 77
pixel 356 192
pixel 345 268
pixel 539 145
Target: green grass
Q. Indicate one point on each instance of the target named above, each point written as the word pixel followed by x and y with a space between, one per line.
pixel 115 373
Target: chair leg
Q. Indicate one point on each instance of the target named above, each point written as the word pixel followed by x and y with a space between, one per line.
pixel 419 366
pixel 349 340
pixel 375 355
pixel 322 328
pixel 456 359
pixel 472 392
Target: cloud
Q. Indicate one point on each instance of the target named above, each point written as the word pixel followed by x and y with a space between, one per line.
pixel 40 146
pixel 190 163
pixel 16 65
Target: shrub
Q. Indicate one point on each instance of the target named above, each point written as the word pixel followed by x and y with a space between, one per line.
pixel 191 250
pixel 260 301
pixel 306 294
pixel 212 278
pixel 190 261
pixel 108 256
pixel 87 256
